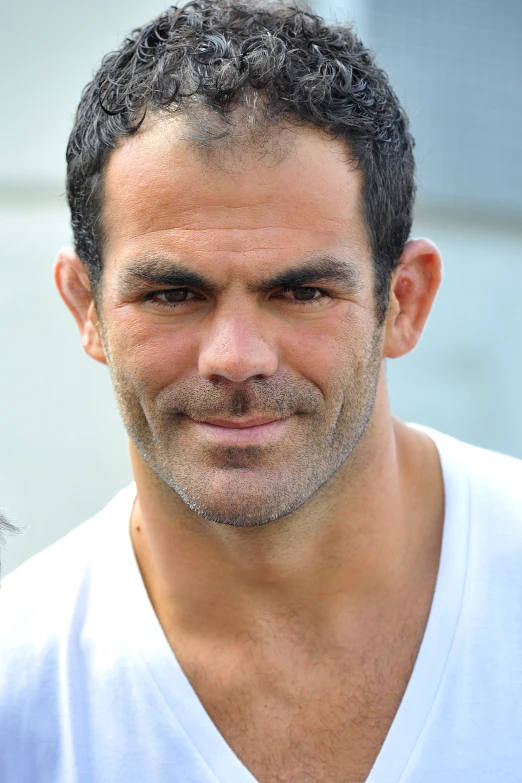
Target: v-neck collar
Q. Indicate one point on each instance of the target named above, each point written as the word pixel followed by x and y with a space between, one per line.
pixel 428 671
pixel 418 700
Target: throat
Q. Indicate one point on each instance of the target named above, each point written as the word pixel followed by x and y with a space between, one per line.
pixel 296 706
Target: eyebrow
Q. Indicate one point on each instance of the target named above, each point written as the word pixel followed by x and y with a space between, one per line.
pixel 152 272
pixel 322 270
pixel 156 272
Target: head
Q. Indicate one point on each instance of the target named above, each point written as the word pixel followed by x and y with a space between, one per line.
pixel 239 73
pixel 241 182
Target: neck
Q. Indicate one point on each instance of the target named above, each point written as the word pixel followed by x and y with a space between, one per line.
pixel 364 538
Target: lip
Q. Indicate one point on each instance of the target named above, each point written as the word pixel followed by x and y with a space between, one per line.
pixel 241 424
pixel 257 430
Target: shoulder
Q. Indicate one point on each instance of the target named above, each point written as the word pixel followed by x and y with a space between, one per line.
pixel 484 488
pixel 48 581
pixel 495 483
pixel 490 487
pixel 495 501
pixel 45 601
pixel 492 476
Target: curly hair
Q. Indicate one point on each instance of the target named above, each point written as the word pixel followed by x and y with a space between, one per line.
pixel 217 54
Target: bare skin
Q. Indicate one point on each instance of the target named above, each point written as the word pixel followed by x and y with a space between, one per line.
pixel 298 634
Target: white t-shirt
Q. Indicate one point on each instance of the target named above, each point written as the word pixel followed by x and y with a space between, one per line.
pixel 90 691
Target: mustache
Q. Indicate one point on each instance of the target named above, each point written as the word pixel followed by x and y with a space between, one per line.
pixel 199 399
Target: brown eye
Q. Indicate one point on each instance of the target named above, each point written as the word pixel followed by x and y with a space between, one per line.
pixel 173 295
pixel 305 294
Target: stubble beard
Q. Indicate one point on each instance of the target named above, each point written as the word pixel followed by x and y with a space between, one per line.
pixel 250 486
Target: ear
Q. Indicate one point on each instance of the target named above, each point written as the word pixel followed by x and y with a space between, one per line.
pixel 74 287
pixel 413 289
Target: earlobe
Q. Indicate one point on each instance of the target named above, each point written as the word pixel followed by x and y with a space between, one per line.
pixel 74 287
pixel 413 290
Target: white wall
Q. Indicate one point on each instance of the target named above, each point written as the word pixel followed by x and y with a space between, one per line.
pixel 49 52
pixel 465 376
pixel 62 449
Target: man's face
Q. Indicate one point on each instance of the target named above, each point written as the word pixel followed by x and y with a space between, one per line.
pixel 238 317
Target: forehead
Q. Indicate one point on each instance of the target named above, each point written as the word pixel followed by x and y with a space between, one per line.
pixel 237 212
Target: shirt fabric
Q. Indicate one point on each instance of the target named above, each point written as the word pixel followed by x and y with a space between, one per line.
pixel 91 692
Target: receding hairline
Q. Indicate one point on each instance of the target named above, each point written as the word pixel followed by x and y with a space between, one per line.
pixel 248 129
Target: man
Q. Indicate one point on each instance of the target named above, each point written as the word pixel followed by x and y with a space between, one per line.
pixel 298 587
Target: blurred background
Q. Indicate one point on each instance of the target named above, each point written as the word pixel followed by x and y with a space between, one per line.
pixel 456 65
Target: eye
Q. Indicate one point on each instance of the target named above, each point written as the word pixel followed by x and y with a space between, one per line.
pixel 303 294
pixel 170 296
pixel 173 295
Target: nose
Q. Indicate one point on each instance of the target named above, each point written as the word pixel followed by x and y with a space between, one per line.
pixel 237 347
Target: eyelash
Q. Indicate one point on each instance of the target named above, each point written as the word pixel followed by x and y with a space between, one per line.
pixel 322 294
pixel 152 296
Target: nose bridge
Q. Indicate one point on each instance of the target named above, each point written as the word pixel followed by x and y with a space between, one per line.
pixel 237 344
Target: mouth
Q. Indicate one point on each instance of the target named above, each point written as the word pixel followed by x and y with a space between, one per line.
pixel 241 424
pixel 254 430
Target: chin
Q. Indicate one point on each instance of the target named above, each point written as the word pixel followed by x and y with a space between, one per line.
pixel 241 498
pixel 235 516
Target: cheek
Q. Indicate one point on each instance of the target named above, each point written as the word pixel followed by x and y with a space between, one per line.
pixel 154 357
pixel 329 350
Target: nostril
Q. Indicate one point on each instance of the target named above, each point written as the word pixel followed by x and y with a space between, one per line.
pixel 236 354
